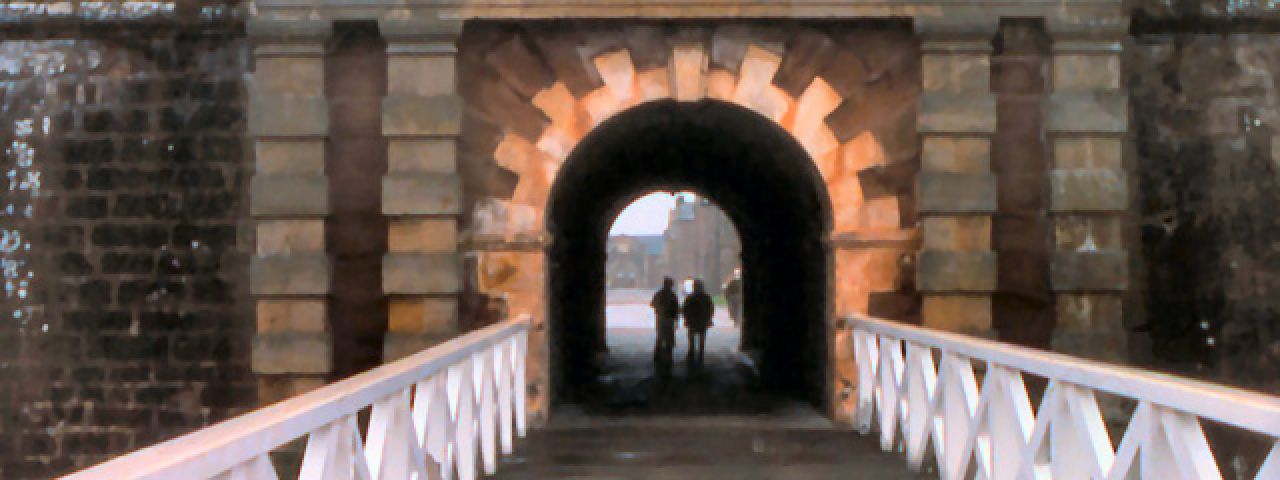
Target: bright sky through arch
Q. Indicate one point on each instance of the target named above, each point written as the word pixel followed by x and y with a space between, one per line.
pixel 647 215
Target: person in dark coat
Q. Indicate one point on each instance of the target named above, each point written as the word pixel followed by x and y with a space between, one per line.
pixel 697 311
pixel 733 297
pixel 665 310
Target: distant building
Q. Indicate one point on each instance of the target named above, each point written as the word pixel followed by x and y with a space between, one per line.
pixel 700 243
pixel 634 261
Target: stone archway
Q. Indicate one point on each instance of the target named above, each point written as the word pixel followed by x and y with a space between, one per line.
pixel 774 196
pixel 844 93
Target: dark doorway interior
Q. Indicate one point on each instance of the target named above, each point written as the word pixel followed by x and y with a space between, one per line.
pixel 760 177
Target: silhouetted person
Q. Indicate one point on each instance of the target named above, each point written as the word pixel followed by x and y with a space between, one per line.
pixel 665 310
pixel 733 297
pixel 697 311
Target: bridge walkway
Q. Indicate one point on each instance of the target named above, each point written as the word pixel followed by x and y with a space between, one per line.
pixel 799 445
pixel 708 421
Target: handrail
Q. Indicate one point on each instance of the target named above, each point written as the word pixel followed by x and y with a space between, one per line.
pixel 918 400
pixel 1244 409
pixel 490 361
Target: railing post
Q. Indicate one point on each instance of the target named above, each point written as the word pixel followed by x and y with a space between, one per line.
pixel 488 411
pixel 462 378
pixel 422 192
pixel 521 348
pixel 289 199
pixel 866 354
pixel 437 420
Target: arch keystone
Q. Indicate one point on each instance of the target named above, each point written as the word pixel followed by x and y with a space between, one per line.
pixel 689 72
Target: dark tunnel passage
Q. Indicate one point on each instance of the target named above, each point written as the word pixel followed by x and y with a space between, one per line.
pixel 762 179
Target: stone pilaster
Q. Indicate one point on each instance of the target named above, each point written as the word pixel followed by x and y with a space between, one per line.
pixel 422 192
pixel 1086 120
pixel 956 190
pixel 290 271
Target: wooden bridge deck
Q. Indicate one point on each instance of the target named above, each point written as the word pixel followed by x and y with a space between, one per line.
pixel 678 448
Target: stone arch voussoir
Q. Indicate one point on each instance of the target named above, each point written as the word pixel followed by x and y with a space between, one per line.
pixel 847 94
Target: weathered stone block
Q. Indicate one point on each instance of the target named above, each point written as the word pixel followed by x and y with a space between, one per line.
pixel 972 193
pixel 289 156
pixel 688 71
pixel 302 76
pixel 397 345
pixel 1088 191
pixel 288 195
pixel 523 68
pixel 846 74
pixel 956 154
pixel 437 155
pixel 423 235
pixel 281 353
pixel 957 233
pixel 957 113
pixel 288 116
pixel 421 194
pixel 1088 112
pixel 1089 312
pixel 1076 232
pixel 1097 271
pixel 421 273
pixel 409 115
pixel 969 314
pixel 283 237
pixel 421 75
pixel 291 315
pixel 1088 152
pixel 290 275
pixel 956 271
pixel 423 315
pixel 808 52
pixel 880 213
pixel 957 73
pixel 1086 72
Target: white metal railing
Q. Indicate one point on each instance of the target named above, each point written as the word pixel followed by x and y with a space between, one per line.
pixel 434 413
pixel 916 402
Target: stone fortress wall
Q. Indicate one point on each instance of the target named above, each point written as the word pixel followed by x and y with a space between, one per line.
pixel 1149 240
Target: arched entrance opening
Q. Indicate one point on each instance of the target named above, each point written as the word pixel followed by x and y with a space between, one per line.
pixel 685 237
pixel 762 179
